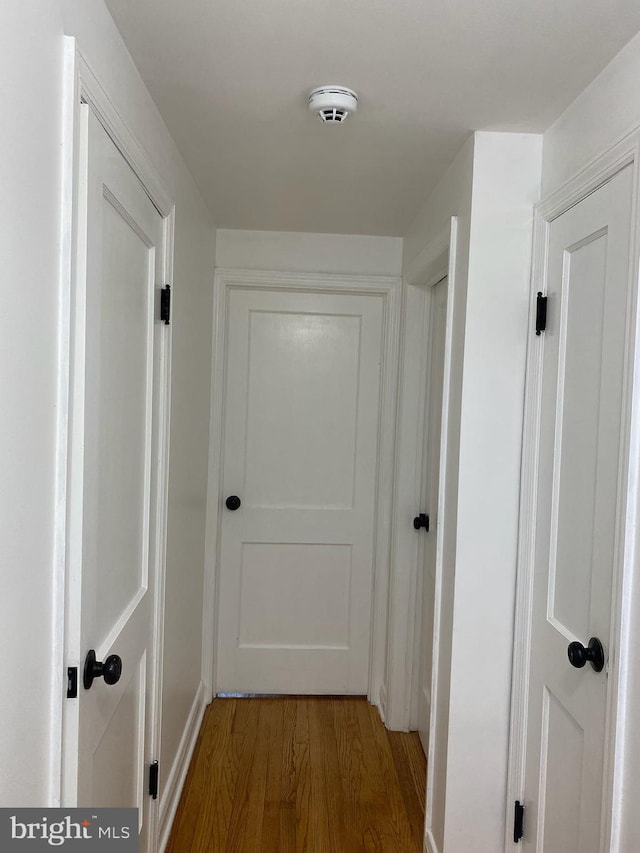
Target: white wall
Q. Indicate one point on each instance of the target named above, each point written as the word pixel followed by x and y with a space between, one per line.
pixel 605 112
pixel 506 184
pixel 103 48
pixel 30 177
pixel 491 187
pixel 31 54
pixel 190 399
pixel 290 251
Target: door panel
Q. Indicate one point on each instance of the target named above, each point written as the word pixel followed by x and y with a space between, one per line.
pixel 118 402
pixel 561 771
pixel 577 517
pixel 117 455
pixel 280 606
pixel 301 363
pixel 300 450
pixel 585 484
pixel 118 757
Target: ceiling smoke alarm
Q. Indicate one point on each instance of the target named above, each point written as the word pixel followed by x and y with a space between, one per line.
pixel 333 104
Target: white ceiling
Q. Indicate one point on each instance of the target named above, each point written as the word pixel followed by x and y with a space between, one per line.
pixel 231 77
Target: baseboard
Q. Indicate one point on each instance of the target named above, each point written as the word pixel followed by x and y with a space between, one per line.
pixel 382 700
pixel 430 845
pixel 175 781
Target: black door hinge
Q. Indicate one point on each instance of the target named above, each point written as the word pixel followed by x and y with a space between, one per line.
pixel 518 822
pixel 72 682
pixel 420 521
pixel 165 304
pixel 541 313
pixel 153 780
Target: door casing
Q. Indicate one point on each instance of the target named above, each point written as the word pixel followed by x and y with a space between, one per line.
pixel 623 619
pixel 82 86
pixel 436 260
pixel 390 289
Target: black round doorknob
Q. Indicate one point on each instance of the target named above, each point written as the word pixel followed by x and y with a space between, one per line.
pixel 594 654
pixel 110 670
pixel 233 503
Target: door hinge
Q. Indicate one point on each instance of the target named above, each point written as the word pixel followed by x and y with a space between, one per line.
pixel 420 521
pixel 518 822
pixel 153 780
pixel 541 313
pixel 165 304
pixel 72 682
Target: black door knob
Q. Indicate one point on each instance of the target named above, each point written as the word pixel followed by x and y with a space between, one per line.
pixel 110 670
pixel 233 503
pixel 579 655
pixel 421 520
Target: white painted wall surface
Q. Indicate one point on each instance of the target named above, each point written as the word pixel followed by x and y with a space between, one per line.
pixel 30 177
pixel 190 399
pixel 291 251
pixel 30 174
pixel 492 187
pixel 103 48
pixel 506 185
pixel 605 112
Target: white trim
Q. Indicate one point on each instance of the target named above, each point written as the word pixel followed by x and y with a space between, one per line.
pixel 170 796
pixel 67 243
pixel 210 591
pixel 434 262
pixel 587 180
pixel 92 91
pixel 598 172
pixel 388 287
pixel 430 845
pixel 162 517
pixel 382 703
pixel 447 516
pixel 81 86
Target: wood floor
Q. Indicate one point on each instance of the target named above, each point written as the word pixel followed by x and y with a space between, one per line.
pixel 301 775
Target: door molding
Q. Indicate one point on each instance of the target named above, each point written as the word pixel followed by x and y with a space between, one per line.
pixel 81 86
pixel 624 153
pixel 436 260
pixel 389 289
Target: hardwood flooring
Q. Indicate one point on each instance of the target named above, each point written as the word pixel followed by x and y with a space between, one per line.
pixel 301 775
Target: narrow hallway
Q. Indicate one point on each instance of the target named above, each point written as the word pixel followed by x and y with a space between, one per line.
pixel 301 774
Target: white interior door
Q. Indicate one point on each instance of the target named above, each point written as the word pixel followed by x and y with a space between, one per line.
pixel 431 466
pixel 116 524
pixel 581 452
pixel 300 452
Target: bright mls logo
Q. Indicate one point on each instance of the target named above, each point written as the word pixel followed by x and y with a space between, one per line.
pixel 75 829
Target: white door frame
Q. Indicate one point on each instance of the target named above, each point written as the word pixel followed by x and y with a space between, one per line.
pixel 623 619
pixel 390 290
pixel 82 86
pixel 417 542
pixel 436 260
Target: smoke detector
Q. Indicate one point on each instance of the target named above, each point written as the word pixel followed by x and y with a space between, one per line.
pixel 333 104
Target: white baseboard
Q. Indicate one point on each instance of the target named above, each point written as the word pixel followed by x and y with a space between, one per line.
pixel 430 845
pixel 175 781
pixel 382 700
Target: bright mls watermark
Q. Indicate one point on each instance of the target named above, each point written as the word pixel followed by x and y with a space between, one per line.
pixel 70 829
